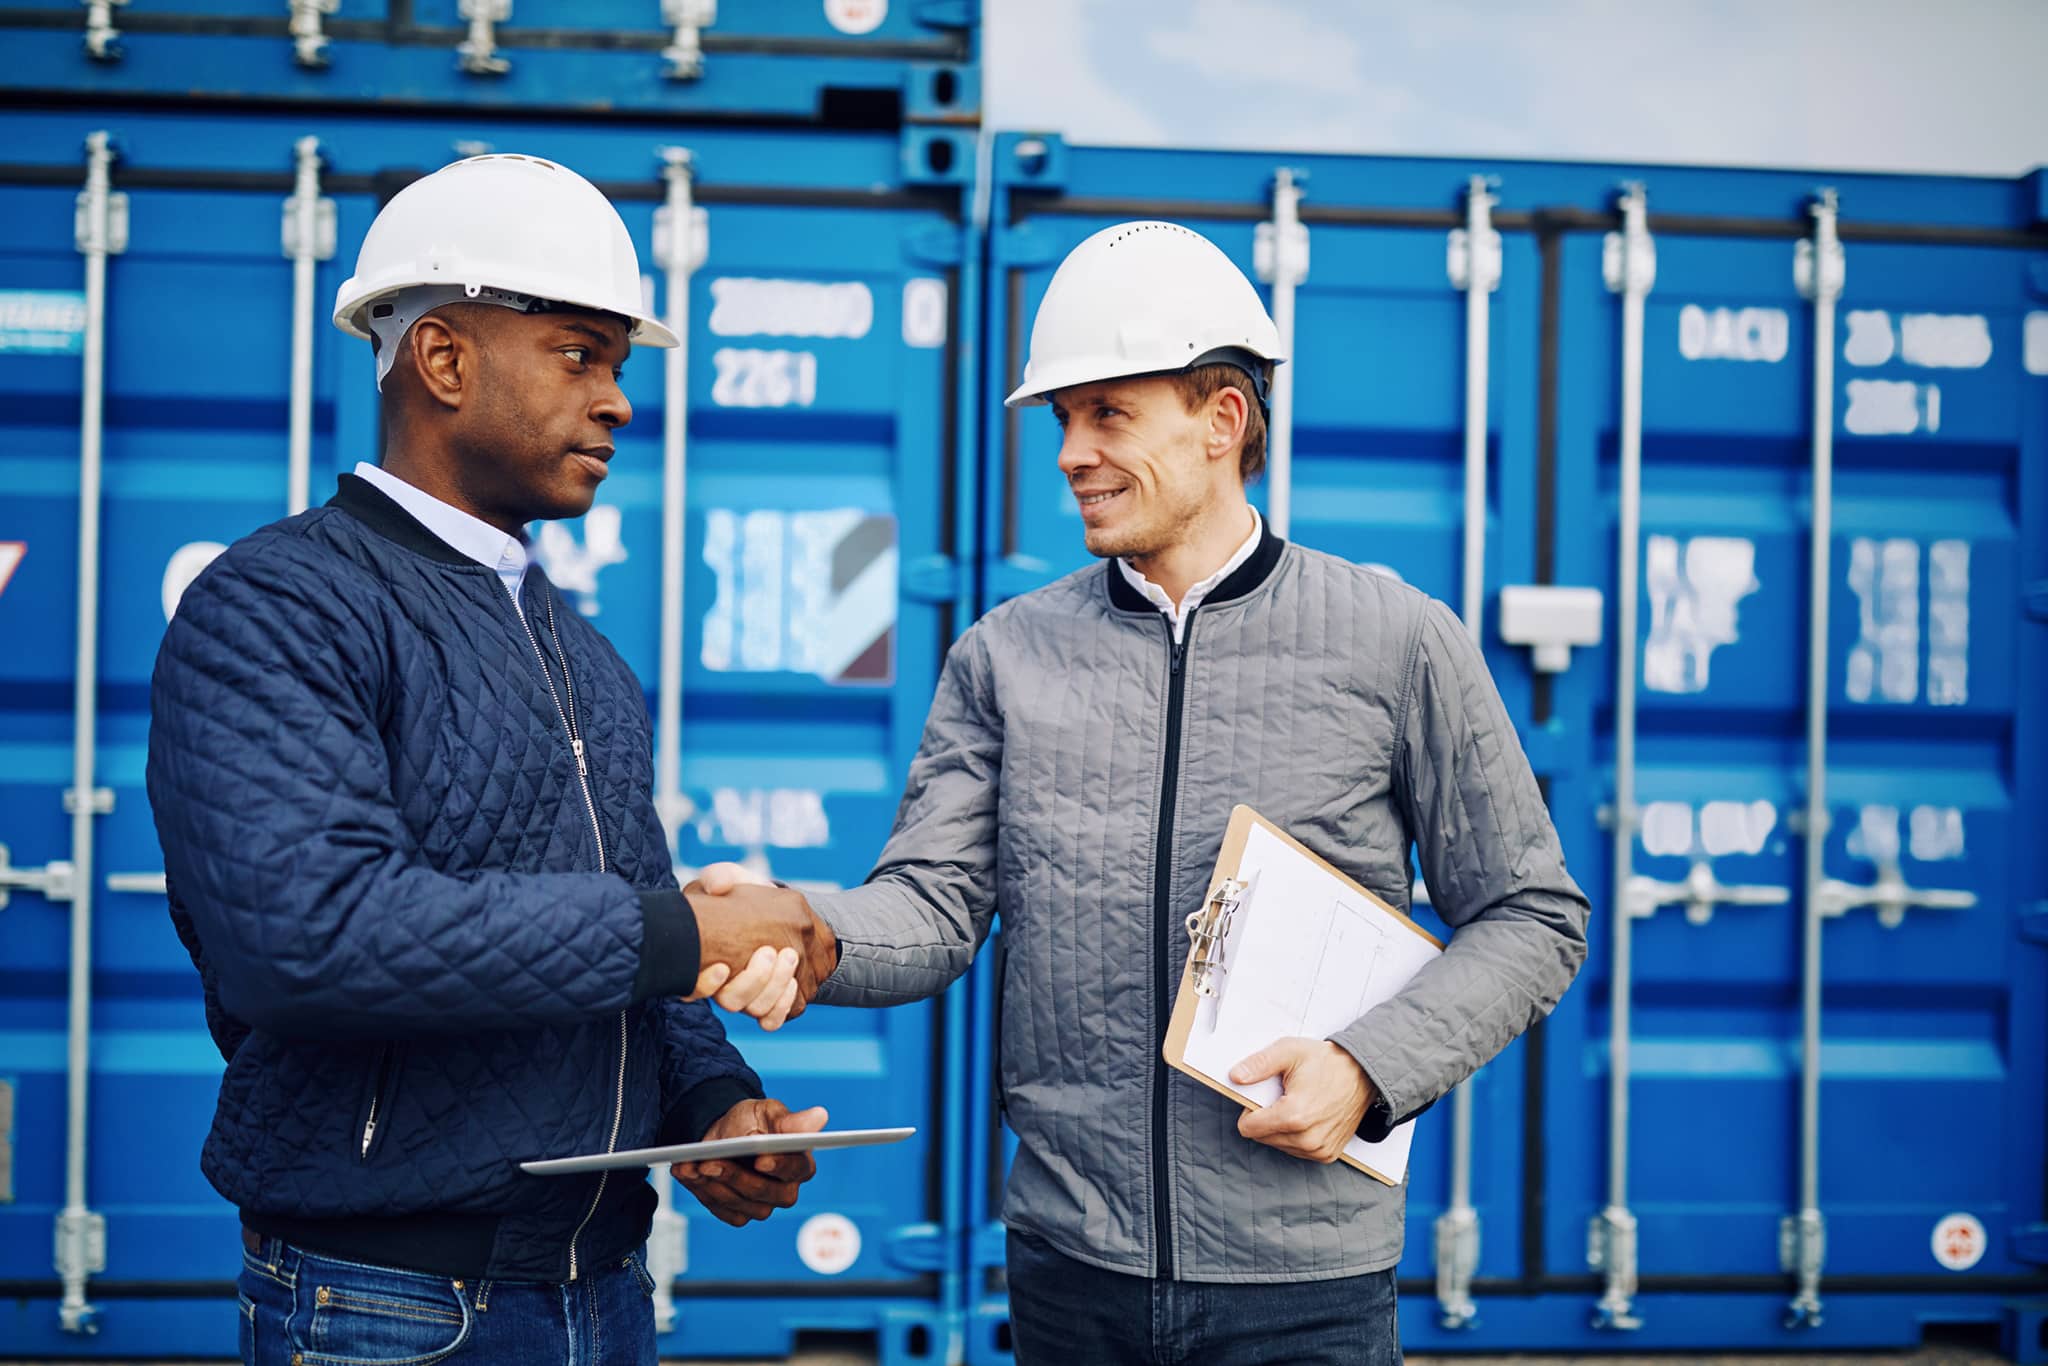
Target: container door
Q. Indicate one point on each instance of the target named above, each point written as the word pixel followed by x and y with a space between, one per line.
pixel 817 581
pixel 1932 1056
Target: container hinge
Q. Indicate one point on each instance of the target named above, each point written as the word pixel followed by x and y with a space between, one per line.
pixel 102 801
pixel 478 52
pixel 86 221
pixel 1281 256
pixel 309 36
pixel 2030 1244
pixel 918 1247
pixel 102 39
pixel 1628 259
pixel 1462 263
pixel 81 1251
pixel 1803 1251
pixel 685 51
pixel 306 193
pixel 930 578
pixel 54 881
pixel 1832 271
pixel 937 244
pixel 1457 1259
pixel 1611 1250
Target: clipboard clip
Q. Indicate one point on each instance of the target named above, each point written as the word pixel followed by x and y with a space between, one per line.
pixel 1207 929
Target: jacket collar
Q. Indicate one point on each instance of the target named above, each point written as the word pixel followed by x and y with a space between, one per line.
pixel 375 509
pixel 1242 580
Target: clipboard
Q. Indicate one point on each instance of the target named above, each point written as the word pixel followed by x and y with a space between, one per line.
pixel 1354 916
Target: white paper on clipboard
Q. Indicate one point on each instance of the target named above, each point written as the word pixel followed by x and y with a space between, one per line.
pixel 1304 955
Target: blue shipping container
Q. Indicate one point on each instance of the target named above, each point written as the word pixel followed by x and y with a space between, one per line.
pixel 1930 1098
pixel 818 590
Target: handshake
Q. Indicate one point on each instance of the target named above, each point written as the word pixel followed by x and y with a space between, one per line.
pixel 763 950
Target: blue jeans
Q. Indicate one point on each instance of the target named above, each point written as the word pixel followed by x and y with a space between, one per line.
pixel 1072 1314
pixel 303 1309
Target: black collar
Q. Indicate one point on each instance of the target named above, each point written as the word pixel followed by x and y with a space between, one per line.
pixel 376 509
pixel 1243 579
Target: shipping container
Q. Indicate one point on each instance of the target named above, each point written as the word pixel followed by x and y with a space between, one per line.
pixel 813 596
pixel 1465 386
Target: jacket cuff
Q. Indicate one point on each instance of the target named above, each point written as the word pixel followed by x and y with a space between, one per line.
pixel 670 950
pixel 701 1107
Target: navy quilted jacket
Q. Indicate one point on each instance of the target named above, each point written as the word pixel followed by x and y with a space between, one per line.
pixel 427 953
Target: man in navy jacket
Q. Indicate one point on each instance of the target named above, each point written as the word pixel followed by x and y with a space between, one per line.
pixel 404 796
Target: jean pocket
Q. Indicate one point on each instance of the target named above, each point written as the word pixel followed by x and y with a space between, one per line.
pixel 245 1329
pixel 636 1262
pixel 371 1316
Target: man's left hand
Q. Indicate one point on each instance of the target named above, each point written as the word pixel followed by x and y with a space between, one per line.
pixel 1325 1095
pixel 738 1190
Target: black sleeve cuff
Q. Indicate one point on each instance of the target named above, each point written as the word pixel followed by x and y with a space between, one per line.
pixel 1379 1121
pixel 669 947
pixel 701 1106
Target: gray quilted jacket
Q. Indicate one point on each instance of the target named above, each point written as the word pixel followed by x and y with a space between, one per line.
pixel 1076 775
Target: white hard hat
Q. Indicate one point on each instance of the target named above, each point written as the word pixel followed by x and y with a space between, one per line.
pixel 517 231
pixel 1144 298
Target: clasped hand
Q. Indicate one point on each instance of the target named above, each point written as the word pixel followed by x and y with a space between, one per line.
pixel 763 951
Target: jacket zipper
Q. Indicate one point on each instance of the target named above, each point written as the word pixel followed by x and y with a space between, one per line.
pixel 1162 922
pixel 378 1083
pixel 568 716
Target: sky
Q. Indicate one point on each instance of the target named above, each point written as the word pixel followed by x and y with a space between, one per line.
pixel 1948 86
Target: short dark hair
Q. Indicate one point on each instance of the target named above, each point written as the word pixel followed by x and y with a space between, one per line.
pixel 1200 383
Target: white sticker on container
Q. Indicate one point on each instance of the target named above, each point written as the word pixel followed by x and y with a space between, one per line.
pixel 856 16
pixel 1959 1242
pixel 11 553
pixel 1870 340
pixel 1891 407
pixel 828 1243
pixel 573 567
pixel 1945 341
pixel 1752 334
pixel 48 322
pixel 1694 587
pixel 924 312
pixel 757 818
pixel 187 563
pixel 1667 828
pixel 750 378
pixel 1736 827
pixel 2034 348
pixel 746 306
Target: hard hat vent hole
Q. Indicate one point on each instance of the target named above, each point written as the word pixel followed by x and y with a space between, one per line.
pixel 938 154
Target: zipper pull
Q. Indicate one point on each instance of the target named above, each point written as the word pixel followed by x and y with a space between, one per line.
pixel 576 745
pixel 1180 648
pixel 369 1132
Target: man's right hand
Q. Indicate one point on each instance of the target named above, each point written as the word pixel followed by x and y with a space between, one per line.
pixel 763 950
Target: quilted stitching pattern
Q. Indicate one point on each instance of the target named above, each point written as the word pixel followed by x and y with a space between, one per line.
pixel 1351 710
pixel 375 841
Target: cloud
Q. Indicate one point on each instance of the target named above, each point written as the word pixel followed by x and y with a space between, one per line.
pixel 1040 75
pixel 1263 43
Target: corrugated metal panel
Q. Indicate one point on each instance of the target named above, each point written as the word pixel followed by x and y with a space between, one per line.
pixel 1933 1052
pixel 819 588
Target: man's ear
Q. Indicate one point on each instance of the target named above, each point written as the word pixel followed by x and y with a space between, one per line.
pixel 443 357
pixel 1228 419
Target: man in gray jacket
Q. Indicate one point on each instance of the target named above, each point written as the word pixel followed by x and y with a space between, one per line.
pixel 1077 772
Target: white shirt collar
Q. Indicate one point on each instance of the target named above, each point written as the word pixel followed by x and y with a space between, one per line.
pixel 470 535
pixel 1178 616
